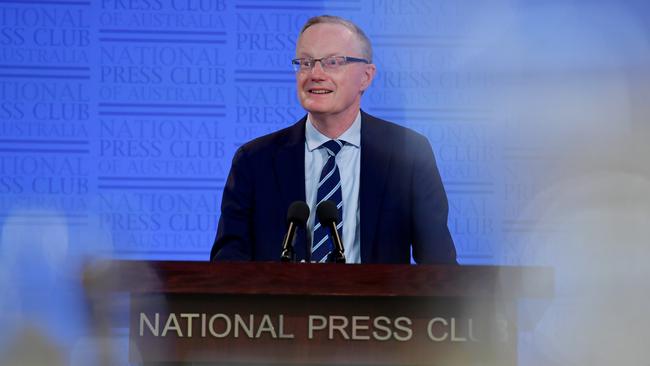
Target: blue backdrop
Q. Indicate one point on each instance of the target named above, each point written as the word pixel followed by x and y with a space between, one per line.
pixel 120 118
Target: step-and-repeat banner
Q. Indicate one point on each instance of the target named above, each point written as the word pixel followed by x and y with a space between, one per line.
pixel 120 118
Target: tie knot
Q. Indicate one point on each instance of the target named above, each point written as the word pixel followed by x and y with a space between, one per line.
pixel 333 147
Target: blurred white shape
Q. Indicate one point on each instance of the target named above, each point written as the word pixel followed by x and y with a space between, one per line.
pixel 570 104
pixel 26 236
pixel 600 256
pixel 41 256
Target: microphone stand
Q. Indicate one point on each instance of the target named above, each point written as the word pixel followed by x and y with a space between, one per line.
pixel 287 245
pixel 338 250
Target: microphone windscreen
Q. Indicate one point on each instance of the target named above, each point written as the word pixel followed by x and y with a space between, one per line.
pixel 298 213
pixel 327 213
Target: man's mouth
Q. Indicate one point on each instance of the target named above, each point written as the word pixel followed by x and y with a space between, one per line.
pixel 319 91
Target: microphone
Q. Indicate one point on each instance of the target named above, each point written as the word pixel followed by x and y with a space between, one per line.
pixel 328 216
pixel 297 215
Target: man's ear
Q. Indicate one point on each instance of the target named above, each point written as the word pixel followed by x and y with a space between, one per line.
pixel 368 76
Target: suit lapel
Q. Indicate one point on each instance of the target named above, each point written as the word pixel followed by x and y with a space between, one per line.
pixel 289 167
pixel 375 159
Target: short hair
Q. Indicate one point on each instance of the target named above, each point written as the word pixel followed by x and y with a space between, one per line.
pixel 366 47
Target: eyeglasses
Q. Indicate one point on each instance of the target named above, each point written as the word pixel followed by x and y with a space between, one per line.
pixel 330 63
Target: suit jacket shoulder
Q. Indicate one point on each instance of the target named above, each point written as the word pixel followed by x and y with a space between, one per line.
pixel 390 132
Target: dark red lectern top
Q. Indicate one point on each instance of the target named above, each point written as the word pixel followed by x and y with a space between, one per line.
pixel 330 279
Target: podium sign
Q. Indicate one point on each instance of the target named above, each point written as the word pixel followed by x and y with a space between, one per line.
pixel 301 314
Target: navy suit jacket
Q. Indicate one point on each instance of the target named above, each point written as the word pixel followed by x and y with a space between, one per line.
pixel 402 202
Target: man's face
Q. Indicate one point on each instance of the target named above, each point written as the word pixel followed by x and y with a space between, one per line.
pixel 331 92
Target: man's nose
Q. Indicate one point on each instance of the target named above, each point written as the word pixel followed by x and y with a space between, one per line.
pixel 317 70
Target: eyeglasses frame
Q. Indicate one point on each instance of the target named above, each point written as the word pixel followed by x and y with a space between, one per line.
pixel 296 62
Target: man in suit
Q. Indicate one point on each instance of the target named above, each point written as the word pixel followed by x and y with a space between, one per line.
pixel 390 194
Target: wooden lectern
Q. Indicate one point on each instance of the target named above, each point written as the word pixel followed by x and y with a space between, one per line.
pixel 323 314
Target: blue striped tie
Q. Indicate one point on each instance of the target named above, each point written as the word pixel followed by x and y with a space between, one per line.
pixel 329 188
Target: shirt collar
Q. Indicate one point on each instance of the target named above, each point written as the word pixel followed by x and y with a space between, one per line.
pixel 351 136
